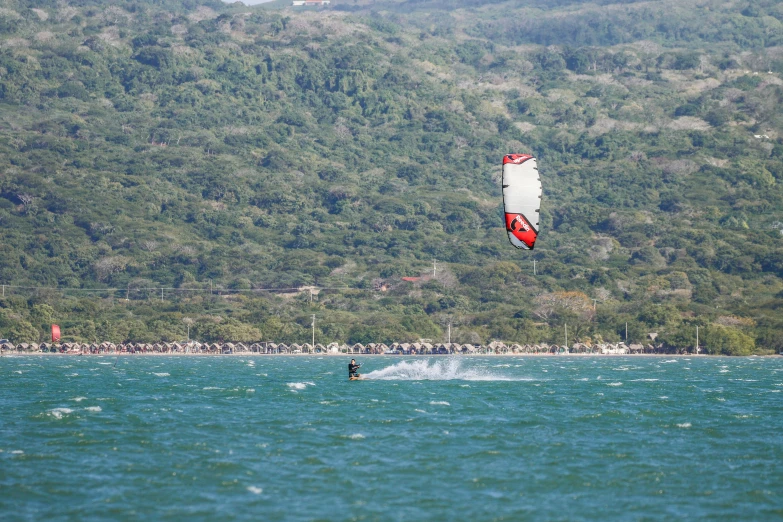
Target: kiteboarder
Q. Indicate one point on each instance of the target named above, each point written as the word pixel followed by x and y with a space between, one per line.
pixel 353 370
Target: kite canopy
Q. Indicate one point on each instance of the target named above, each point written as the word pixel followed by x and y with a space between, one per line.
pixel 521 199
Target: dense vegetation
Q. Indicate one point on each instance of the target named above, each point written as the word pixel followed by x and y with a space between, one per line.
pixel 227 153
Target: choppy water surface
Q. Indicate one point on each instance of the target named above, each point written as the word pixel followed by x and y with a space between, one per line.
pixel 253 438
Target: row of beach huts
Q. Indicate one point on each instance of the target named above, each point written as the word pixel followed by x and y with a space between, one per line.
pixel 270 348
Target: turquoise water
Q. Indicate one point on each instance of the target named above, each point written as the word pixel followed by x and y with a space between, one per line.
pixel 472 438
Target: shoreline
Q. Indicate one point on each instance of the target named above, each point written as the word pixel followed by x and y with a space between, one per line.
pixel 426 347
pixel 6 353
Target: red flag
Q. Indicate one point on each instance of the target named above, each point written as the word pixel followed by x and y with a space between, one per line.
pixel 55 333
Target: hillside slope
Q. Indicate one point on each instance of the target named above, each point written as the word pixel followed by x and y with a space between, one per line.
pixel 250 150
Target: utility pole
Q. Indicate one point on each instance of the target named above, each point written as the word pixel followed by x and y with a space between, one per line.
pixel 566 336
pixel 313 345
pixel 161 295
pixel 594 300
pixel 434 267
pixel 534 267
pixel 626 332
pixel 3 290
pixel 697 340
pixel 210 286
pixel 449 332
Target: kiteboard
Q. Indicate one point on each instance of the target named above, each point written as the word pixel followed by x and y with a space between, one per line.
pixel 359 378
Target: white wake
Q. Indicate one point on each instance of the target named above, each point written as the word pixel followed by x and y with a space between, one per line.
pixel 442 370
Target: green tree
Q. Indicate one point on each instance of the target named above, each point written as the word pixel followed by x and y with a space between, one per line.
pixel 726 340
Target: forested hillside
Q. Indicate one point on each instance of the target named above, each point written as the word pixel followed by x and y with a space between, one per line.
pixel 229 154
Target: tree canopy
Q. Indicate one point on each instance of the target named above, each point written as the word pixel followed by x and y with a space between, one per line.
pixel 228 154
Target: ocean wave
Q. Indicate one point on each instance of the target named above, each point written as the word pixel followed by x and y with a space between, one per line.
pixel 79 399
pixel 162 374
pixel 93 408
pixel 356 436
pixel 255 490
pixel 614 384
pixel 58 413
pixel 440 403
pixel 299 385
pixel 448 370
pixel 684 425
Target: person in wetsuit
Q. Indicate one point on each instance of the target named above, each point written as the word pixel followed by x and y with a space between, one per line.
pixel 353 369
